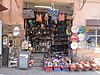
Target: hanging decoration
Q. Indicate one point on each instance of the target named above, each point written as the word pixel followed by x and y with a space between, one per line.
pixel 52 11
pixel 68 32
pixel 61 17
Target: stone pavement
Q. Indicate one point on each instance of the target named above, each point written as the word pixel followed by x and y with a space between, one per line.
pixel 40 71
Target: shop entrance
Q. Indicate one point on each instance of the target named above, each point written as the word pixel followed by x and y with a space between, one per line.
pixel 37 36
pixel 47 36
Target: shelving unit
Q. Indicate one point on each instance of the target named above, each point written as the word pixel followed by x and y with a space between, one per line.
pixel 60 39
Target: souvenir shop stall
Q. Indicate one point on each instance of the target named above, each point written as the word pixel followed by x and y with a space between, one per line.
pixel 48 31
pixel 59 61
pixel 53 33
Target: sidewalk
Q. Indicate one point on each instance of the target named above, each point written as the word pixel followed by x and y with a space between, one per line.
pixel 40 71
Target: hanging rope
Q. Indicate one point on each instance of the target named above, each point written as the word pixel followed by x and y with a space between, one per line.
pixel 84 1
pixel 17 3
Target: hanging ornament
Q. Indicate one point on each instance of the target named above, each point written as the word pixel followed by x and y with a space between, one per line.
pixel 68 32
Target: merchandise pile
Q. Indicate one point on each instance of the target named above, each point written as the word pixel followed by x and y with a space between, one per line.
pixel 79 37
pixel 61 63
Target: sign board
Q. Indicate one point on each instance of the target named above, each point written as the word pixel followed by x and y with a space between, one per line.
pixel 0 37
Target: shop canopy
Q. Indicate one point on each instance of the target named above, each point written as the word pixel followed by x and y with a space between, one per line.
pixel 2 8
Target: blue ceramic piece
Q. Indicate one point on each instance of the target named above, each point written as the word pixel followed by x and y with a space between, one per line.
pixel 81 30
pixel 86 37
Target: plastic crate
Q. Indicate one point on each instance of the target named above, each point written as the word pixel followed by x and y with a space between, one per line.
pixel 48 69
pixel 57 69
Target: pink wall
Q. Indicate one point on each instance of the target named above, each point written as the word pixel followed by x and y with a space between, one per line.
pixel 89 11
pixel 12 16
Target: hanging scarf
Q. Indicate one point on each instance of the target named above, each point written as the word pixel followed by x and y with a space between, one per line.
pixel 61 17
pixel 46 19
pixel 39 18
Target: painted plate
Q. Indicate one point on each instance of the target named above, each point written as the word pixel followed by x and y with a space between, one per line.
pixel 81 44
pixel 74 29
pixel 81 29
pixel 74 38
pixel 86 29
pixel 74 45
pixel 81 37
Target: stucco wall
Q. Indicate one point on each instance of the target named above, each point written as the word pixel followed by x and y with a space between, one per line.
pixel 91 10
pixel 13 16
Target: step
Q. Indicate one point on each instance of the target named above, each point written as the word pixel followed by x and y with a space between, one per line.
pixel 38 64
pixel 37 58
pixel 36 54
pixel 39 61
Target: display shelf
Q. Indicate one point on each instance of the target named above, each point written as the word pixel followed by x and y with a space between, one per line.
pixel 39 32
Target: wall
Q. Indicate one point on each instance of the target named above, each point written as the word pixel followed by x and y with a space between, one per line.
pixel 13 16
pixel 91 10
pixel 0 37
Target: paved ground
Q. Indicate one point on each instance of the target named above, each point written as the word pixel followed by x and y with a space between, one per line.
pixel 40 71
